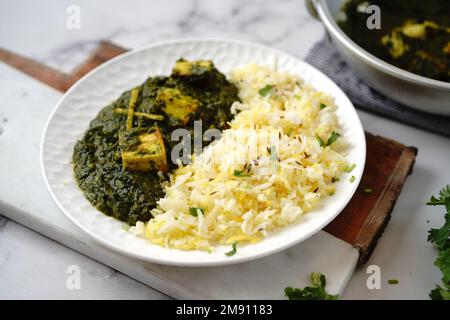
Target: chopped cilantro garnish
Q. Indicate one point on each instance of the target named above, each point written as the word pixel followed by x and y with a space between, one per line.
pixel 368 190
pixel 323 106
pixel 297 96
pixel 267 90
pixel 237 173
pixel 441 238
pixel 350 168
pixel 194 211
pixel 241 173
pixel 352 179
pixel 333 137
pixel 321 142
pixel 315 292
pixel 233 250
pixel 393 281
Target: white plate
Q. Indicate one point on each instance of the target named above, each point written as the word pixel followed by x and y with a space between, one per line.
pixel 83 101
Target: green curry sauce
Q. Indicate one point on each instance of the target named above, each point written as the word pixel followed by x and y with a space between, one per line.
pixel 124 156
pixel 414 34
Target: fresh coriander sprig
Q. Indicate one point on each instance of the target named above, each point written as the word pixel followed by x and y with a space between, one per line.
pixel 443 199
pixel 441 238
pixel 315 292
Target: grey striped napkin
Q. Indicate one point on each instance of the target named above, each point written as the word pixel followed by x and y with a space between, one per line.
pixel 325 57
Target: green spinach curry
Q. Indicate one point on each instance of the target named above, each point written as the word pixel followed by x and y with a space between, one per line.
pixel 124 156
pixel 414 34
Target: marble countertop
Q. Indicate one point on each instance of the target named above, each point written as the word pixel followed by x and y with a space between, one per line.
pixel 32 266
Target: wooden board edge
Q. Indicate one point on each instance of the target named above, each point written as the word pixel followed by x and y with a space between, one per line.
pixel 373 229
pixel 56 79
pixel 41 72
pixel 103 52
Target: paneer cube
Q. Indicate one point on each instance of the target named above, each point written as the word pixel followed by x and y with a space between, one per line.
pixel 177 105
pixel 184 68
pixel 143 151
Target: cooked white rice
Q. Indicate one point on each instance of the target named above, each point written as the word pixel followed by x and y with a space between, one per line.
pixel 264 173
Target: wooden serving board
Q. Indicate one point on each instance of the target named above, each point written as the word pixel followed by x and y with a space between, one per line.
pixel 363 220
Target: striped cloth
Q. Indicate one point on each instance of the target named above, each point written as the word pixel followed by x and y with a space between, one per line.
pixel 325 57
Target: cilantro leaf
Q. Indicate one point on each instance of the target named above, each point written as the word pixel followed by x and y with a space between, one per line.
pixel 315 292
pixel 323 106
pixel 233 250
pixel 267 90
pixel 441 237
pixel 443 199
pixel 443 263
pixel 194 211
pixel 439 293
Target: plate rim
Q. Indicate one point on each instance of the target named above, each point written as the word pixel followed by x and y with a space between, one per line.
pixel 230 260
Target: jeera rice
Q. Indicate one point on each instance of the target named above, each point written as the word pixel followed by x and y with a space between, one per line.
pixel 281 156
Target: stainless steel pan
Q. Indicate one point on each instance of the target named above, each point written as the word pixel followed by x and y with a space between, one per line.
pixel 405 87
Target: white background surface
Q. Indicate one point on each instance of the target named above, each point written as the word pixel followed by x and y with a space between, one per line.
pixel 32 266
